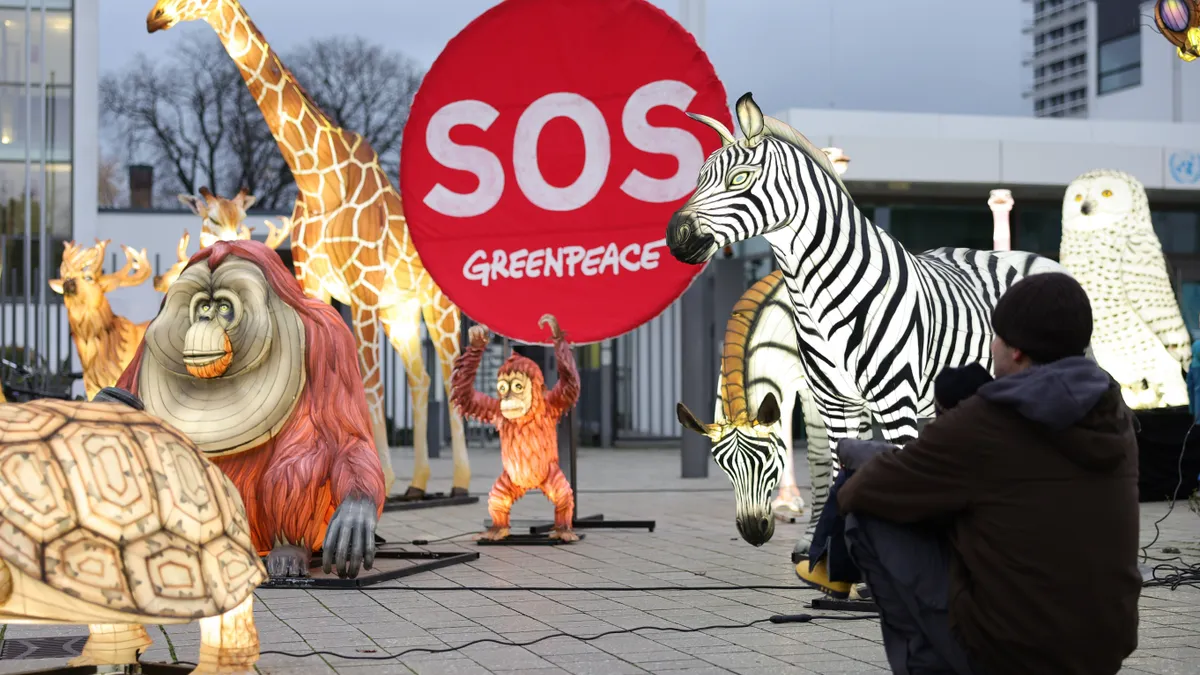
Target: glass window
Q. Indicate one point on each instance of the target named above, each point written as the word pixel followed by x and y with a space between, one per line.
pixel 1189 305
pixel 57 111
pixel 56 53
pixel 12 198
pixel 1177 230
pixel 1038 229
pixel 922 227
pixel 12 276
pixel 1120 63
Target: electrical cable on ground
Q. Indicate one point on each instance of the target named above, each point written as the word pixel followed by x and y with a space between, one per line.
pixel 797 618
pixel 1176 575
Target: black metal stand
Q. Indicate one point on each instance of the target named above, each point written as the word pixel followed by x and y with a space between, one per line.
pixel 130 669
pixel 430 560
pixel 526 540
pixel 427 501
pixel 833 604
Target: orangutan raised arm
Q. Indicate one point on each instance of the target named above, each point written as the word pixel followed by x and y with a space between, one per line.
pixel 566 391
pixel 471 403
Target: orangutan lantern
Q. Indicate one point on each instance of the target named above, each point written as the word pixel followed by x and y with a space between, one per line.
pixel 526 415
pixel 265 381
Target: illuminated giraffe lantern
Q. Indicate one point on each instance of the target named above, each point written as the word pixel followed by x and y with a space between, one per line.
pixel 349 237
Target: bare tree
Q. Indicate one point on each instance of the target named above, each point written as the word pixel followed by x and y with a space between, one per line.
pixel 109 182
pixel 364 88
pixel 192 117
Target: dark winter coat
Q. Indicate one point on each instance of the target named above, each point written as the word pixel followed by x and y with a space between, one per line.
pixel 1037 476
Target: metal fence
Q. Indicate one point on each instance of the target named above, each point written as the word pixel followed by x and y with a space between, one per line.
pixel 644 372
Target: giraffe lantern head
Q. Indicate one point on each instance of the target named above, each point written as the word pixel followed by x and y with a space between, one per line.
pixel 167 13
pixel 736 197
pixel 82 282
pixel 224 219
pixel 750 451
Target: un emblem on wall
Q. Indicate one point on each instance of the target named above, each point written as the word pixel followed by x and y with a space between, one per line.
pixel 1185 167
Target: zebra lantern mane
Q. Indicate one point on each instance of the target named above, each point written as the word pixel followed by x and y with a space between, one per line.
pixel 735 351
pixel 755 126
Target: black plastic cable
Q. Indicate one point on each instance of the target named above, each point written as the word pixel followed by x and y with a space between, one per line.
pixel 592 589
pixel 1171 505
pixel 779 618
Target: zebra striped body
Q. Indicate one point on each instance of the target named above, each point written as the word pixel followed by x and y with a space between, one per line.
pixel 874 323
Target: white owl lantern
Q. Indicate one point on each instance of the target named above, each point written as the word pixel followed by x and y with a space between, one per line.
pixel 1109 246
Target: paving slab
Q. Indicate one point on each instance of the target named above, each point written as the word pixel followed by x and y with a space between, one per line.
pixel 449 622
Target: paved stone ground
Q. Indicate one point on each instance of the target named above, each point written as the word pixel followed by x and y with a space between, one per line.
pixel 695 544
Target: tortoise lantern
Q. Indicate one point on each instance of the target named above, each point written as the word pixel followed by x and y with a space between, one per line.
pixel 112 518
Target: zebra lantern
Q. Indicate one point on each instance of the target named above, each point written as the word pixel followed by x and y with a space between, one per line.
pixel 751 453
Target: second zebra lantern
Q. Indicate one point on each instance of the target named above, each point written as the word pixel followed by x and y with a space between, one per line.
pixel 752 438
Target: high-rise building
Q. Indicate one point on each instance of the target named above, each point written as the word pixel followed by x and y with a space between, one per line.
pixel 1104 59
pixel 1059 58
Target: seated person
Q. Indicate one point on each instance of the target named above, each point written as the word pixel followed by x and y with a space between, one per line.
pixel 1034 482
pixel 828 566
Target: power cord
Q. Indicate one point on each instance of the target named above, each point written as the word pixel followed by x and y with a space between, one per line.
pixel 1177 575
pixel 779 618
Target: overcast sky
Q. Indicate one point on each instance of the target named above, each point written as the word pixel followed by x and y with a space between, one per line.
pixel 910 55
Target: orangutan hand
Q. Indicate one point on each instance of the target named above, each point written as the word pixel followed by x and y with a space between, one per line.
pixel 555 331
pixel 350 539
pixel 479 336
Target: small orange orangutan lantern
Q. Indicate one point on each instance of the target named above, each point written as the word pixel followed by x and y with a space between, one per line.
pixel 526 415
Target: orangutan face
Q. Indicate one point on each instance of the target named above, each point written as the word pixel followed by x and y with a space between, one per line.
pixel 225 346
pixel 516 395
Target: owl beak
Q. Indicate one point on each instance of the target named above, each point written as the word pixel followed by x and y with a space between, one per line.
pixel 1087 207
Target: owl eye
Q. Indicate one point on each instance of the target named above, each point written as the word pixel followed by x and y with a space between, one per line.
pixel 1078 198
pixel 1106 193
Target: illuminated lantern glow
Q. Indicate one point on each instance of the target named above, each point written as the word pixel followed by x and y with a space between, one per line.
pixel 760 356
pixel 1179 23
pixel 105 342
pixel 1110 247
pixel 166 543
pixel 1001 204
pixel 385 281
pixel 262 378
pixel 1174 14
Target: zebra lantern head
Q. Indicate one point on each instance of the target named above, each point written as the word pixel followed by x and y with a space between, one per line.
pixel 750 452
pixel 747 187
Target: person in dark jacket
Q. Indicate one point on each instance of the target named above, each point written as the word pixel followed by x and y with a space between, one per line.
pixel 828 566
pixel 1004 539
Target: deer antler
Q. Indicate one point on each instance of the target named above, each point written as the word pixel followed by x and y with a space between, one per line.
pixel 135 271
pixel 278 235
pixel 163 281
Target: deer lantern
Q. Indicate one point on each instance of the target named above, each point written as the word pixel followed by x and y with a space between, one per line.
pixel 105 342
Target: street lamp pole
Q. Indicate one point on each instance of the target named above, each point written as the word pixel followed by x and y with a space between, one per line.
pixel 1001 203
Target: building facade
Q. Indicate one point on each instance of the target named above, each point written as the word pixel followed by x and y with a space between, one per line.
pixel 1104 59
pixel 48 126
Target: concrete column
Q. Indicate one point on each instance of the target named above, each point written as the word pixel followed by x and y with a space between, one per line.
pixel 437 426
pixel 696 367
pixel 608 397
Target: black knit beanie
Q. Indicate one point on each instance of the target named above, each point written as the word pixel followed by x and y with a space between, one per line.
pixel 1047 316
pixel 955 385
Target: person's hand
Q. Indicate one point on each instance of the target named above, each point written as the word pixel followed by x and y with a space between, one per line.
pixel 479 336
pixel 350 539
pixel 854 453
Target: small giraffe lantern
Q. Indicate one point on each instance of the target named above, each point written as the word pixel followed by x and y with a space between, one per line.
pixel 221 220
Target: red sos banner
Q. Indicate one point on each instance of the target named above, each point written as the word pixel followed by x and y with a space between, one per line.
pixel 544 154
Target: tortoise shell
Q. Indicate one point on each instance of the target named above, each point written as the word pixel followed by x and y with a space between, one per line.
pixel 111 506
